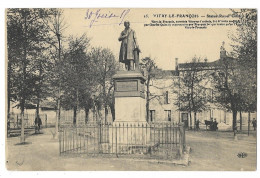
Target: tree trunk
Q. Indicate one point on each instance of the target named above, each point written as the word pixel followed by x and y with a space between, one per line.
pixel 8 88
pixel 97 114
pixel 59 90
pixel 190 126
pixel 147 105
pixel 22 138
pixel 38 93
pixel 179 104
pixel 192 100
pixel 147 110
pixel 112 108
pixel 74 115
pixel 234 119
pixel 248 123
pixel 8 102
pixel 106 113
pixel 37 113
pixel 22 103
pixel 93 113
pixel 190 121
pixel 225 117
pixel 240 112
pixel 195 118
pixel 86 115
pixel 9 73
pixel 37 107
pixel 58 112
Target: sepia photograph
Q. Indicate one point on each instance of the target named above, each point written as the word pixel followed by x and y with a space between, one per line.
pixel 130 89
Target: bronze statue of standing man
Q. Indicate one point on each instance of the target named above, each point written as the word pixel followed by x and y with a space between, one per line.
pixel 129 50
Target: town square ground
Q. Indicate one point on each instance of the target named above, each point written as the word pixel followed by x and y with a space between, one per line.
pixel 209 151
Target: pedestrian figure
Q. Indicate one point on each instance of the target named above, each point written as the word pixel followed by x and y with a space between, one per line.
pixel 38 123
pixel 211 126
pixel 197 125
pixel 214 125
pixel 254 123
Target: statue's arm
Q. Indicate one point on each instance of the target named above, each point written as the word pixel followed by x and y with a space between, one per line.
pixel 122 36
pixel 135 40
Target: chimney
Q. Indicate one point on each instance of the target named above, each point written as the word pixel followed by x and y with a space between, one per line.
pixel 176 64
pixel 223 52
pixel 194 59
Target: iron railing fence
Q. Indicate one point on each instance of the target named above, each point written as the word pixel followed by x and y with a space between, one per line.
pixel 155 140
pixel 14 123
pixel 14 120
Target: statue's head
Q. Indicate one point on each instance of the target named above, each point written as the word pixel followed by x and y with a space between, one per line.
pixel 126 24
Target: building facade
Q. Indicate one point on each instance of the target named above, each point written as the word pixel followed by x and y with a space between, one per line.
pixel 164 96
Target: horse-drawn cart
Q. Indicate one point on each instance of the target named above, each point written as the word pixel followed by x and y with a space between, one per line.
pixel 213 125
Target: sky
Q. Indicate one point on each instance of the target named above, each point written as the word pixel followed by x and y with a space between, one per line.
pixel 161 43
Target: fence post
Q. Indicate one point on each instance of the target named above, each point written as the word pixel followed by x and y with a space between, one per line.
pixel 181 139
pixel 180 149
pixel 100 137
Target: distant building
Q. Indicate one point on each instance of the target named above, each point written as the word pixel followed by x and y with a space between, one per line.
pixel 162 107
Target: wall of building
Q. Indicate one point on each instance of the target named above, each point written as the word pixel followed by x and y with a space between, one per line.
pixel 158 90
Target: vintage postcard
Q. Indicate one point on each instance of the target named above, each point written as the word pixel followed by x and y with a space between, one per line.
pixel 131 89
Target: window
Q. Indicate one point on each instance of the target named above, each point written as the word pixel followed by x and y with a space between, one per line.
pixel 168 115
pixel 152 115
pixel 210 95
pixel 166 97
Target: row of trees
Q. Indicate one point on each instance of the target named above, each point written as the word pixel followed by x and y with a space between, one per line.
pixel 46 65
pixel 233 79
pixel 87 78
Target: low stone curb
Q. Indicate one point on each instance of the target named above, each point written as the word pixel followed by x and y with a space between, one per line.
pixel 184 160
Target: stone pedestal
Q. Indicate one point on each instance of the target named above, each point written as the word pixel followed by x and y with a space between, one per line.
pixel 129 96
pixel 129 132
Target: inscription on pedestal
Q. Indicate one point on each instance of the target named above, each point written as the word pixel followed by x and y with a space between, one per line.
pixel 126 86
